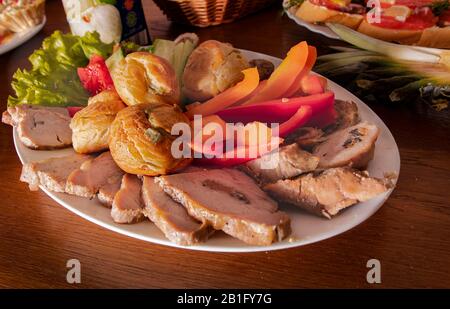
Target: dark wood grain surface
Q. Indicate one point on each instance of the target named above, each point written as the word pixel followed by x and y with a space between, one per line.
pixel 410 234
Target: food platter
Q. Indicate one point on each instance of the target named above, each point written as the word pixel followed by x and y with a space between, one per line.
pixel 306 228
pixel 18 39
pixel 328 32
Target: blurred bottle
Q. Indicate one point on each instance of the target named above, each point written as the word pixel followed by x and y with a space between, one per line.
pixel 115 20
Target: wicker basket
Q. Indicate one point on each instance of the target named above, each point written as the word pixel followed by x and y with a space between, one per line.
pixel 204 13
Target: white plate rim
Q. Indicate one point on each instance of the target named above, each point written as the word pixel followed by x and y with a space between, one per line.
pixel 21 37
pixel 127 230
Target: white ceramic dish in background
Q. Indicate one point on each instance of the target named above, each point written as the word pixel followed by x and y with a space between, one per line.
pixel 324 30
pixel 18 39
pixel 321 29
pixel 306 228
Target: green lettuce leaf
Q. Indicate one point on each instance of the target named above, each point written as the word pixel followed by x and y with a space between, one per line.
pixel 53 79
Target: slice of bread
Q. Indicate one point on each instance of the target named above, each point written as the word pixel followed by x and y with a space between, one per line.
pixel 312 13
pixel 435 37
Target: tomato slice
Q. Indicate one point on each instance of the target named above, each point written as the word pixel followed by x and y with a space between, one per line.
pixel 409 3
pixel 420 20
pixel 330 4
pixel 95 77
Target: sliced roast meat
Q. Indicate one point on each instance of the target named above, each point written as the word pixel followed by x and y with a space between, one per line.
pixel 107 192
pixel 93 175
pixel 229 200
pixel 128 206
pixel 289 161
pixel 353 146
pixel 347 116
pixel 171 217
pixel 40 127
pixel 305 137
pixel 51 173
pixel 328 192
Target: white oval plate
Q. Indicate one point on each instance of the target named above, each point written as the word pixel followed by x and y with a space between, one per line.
pixel 19 38
pixel 324 30
pixel 306 228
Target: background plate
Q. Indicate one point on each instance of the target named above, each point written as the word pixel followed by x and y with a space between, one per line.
pixel 19 38
pixel 306 228
pixel 324 30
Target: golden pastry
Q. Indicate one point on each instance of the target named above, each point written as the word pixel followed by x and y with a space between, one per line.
pixel 212 68
pixel 18 16
pixel 91 125
pixel 141 140
pixel 145 78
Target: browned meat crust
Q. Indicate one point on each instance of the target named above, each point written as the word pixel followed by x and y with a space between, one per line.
pixel 288 162
pixel 52 173
pixel 347 116
pixel 353 146
pixel 230 201
pixel 171 217
pixel 93 175
pixel 328 192
pixel 40 127
pixel 128 206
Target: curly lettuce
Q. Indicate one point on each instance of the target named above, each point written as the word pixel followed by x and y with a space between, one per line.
pixel 53 79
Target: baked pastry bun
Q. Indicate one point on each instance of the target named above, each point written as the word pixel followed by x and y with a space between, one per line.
pixel 212 68
pixel 142 77
pixel 90 126
pixel 313 13
pixel 141 140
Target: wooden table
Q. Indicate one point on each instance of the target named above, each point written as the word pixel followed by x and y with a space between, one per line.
pixel 410 234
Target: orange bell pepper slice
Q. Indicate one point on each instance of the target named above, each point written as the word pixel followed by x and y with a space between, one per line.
pixel 296 86
pixel 284 75
pixel 229 97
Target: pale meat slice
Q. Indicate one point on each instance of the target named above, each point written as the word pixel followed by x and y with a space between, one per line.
pixel 353 146
pixel 93 175
pixel 289 161
pixel 171 217
pixel 328 192
pixel 51 173
pixel 107 192
pixel 230 201
pixel 40 127
pixel 128 206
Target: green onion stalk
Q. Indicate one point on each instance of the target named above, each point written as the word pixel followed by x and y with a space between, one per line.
pixel 374 76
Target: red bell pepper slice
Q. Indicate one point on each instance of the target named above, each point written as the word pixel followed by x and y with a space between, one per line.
pixel 95 77
pixel 231 158
pixel 300 118
pixel 229 97
pixel 312 57
pixel 277 110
